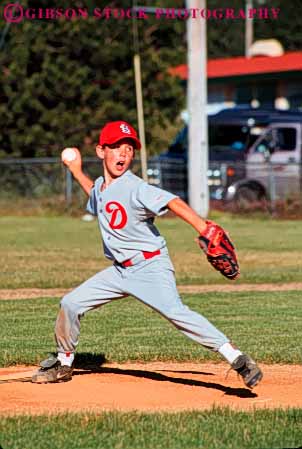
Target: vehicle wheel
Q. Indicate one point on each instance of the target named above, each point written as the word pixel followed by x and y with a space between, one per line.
pixel 247 198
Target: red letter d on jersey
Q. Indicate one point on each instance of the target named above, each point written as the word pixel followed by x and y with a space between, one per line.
pixel 118 215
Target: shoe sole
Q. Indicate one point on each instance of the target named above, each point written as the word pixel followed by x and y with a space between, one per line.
pixel 255 380
pixel 42 380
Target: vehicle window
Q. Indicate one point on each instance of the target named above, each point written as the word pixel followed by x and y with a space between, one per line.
pixel 265 144
pixel 234 136
pixel 286 139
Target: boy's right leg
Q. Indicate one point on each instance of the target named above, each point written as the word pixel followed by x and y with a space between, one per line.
pixel 93 293
pixel 162 295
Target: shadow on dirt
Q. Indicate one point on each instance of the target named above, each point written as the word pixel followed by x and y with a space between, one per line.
pixel 87 363
pixel 87 360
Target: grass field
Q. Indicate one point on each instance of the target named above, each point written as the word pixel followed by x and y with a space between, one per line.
pixel 218 429
pixel 62 252
pixel 267 325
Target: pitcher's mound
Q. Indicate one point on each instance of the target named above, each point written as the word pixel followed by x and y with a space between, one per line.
pixel 151 387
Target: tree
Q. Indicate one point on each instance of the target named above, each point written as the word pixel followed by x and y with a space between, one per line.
pixel 61 80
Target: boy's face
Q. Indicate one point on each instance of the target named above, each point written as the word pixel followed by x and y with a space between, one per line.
pixel 116 157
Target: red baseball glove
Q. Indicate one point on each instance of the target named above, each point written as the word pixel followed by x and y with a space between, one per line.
pixel 219 250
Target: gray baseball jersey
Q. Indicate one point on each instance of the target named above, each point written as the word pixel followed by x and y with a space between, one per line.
pixel 125 211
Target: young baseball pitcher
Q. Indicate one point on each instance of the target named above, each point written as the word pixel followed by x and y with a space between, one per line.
pixel 126 207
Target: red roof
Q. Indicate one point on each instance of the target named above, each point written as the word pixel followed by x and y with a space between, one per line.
pixel 240 66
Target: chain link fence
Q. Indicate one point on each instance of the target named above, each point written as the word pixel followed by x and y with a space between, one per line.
pixel 45 181
pixel 240 184
pixel 237 185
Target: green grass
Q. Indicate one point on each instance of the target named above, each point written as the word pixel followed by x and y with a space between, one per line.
pixel 63 251
pixel 265 324
pixel 216 429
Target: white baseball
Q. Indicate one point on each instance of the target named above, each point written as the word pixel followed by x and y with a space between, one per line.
pixel 69 154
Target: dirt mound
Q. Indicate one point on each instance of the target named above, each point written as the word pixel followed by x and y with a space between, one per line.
pixel 149 387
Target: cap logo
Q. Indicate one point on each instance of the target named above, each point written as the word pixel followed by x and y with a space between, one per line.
pixel 125 129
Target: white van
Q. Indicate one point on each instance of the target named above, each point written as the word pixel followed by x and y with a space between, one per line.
pixel 272 165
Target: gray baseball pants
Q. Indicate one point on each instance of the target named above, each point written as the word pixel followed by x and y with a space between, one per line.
pixel 151 282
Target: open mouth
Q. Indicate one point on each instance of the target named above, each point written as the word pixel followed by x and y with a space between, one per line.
pixel 120 165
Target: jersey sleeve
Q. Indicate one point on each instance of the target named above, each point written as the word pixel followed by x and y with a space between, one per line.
pixel 91 206
pixel 153 198
pixel 92 202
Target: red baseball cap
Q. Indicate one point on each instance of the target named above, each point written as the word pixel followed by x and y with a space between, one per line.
pixel 115 131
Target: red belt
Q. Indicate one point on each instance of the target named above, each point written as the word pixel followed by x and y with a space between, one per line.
pixel 146 255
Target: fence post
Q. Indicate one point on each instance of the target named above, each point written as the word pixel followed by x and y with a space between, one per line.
pixel 68 187
pixel 272 187
pixel 223 174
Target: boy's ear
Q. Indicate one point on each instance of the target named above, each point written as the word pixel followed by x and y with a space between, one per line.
pixel 99 151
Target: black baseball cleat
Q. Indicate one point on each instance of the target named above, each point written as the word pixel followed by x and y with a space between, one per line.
pixel 248 370
pixel 52 371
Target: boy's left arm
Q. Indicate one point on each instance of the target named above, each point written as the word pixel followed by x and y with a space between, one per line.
pixel 184 211
pixel 212 239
